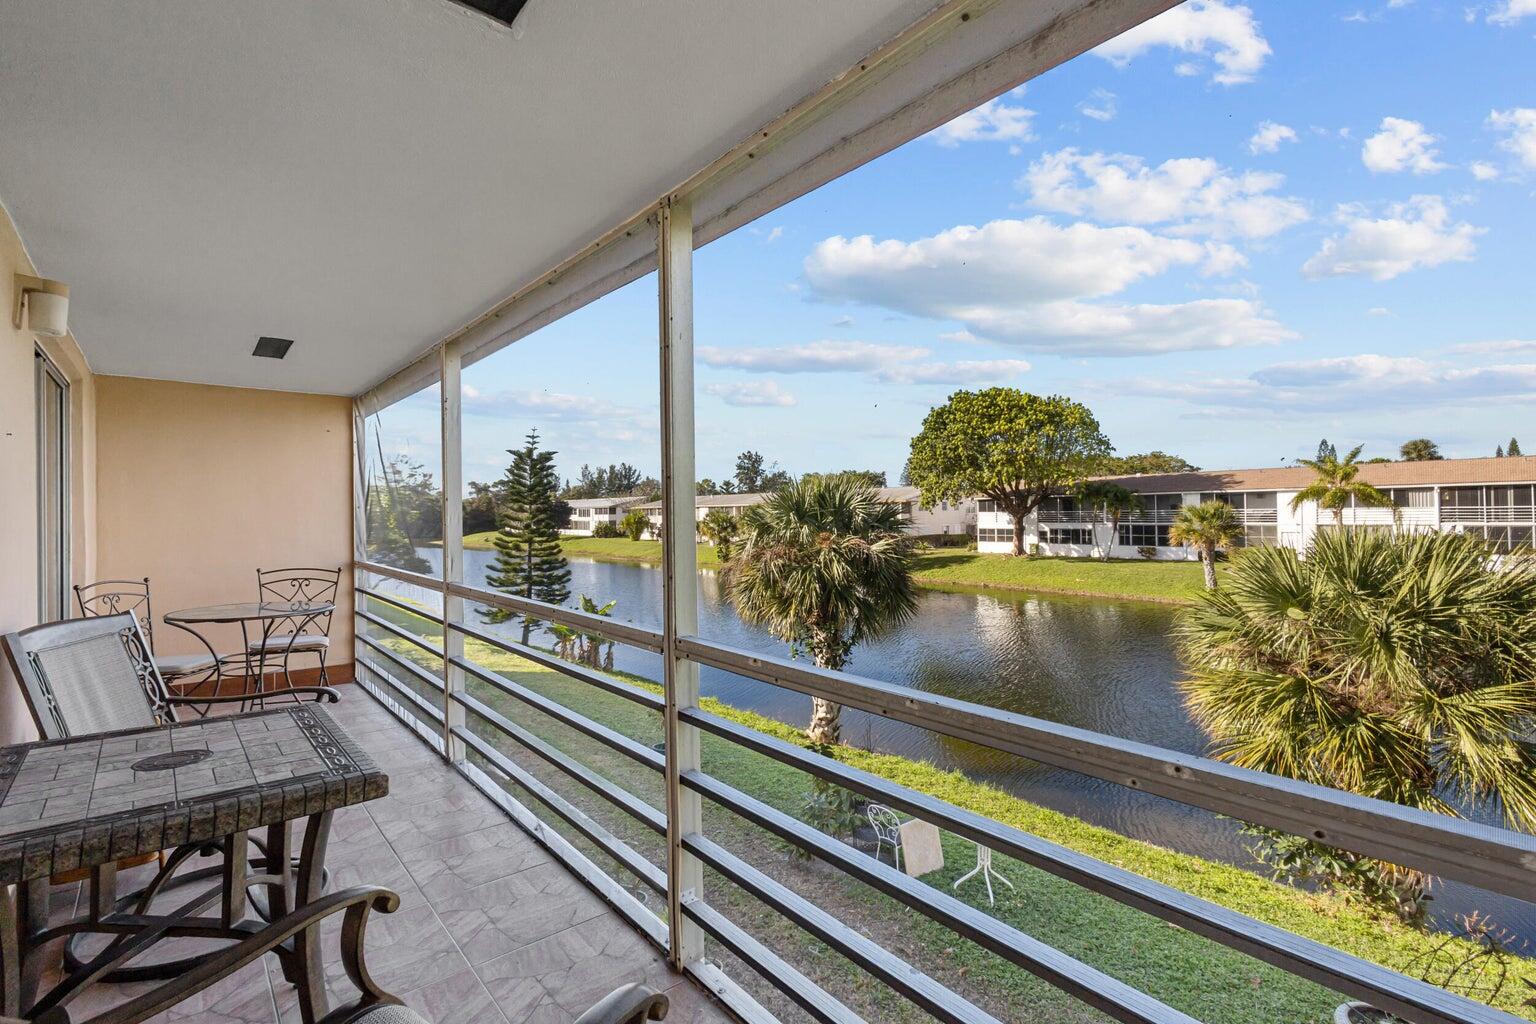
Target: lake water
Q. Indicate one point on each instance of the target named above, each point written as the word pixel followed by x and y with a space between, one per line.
pixel 1109 666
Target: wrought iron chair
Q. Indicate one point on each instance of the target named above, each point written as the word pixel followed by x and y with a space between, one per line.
pixel 887 828
pixel 632 1004
pixel 83 676
pixel 297 634
pixel 109 597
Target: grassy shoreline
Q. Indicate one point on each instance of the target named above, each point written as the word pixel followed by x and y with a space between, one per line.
pixel 1194 974
pixel 955 568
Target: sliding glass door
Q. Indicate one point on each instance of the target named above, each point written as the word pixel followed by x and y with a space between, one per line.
pixel 52 491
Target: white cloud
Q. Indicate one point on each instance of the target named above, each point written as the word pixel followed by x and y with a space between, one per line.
pixel 1348 383
pixel 544 406
pixel 1100 105
pixel 1025 282
pixel 843 321
pixel 1195 195
pixel 993 121
pixel 1401 145
pixel 1227 34
pixel 1268 137
pixel 1519 127
pixel 1483 171
pixel 962 337
pixel 966 371
pixel 890 364
pixel 751 393
pixel 1412 236
pixel 1378 311
pixel 826 356
pixel 1502 347
pixel 1511 11
pixel 774 234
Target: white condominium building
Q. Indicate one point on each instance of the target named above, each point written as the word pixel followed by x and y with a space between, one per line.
pixel 586 513
pixel 1493 498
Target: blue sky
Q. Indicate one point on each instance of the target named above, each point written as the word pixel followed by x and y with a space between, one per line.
pixel 1235 230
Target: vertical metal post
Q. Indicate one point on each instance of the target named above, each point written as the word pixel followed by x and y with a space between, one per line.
pixel 685 875
pixel 359 521
pixel 453 547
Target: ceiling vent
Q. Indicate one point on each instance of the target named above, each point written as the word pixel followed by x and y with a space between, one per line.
pixel 272 348
pixel 502 10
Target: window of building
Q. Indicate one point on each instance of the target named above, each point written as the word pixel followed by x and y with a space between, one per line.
pixel 1259 536
pixel 986 505
pixel 1461 497
pixel 994 536
pixel 1141 535
pixel 1066 535
pixel 1412 497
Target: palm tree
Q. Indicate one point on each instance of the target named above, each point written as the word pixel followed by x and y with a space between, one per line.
pixel 719 527
pixel 1396 667
pixel 1206 527
pixel 824 564
pixel 1420 449
pixel 1338 484
pixel 1114 501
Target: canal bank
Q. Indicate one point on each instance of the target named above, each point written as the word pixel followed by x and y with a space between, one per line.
pixel 946 568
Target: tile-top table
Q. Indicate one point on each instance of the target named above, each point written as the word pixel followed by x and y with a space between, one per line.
pixel 91 801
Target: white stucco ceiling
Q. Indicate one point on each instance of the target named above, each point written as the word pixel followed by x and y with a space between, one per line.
pixel 363 176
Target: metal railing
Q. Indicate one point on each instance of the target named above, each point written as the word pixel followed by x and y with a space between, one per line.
pixel 1488 857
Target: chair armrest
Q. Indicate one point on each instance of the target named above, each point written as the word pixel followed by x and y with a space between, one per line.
pixel 355 902
pixel 632 1004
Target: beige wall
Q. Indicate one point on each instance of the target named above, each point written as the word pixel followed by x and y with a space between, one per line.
pixel 198 486
pixel 18 470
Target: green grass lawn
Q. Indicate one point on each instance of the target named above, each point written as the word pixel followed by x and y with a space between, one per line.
pixel 956 567
pixel 1196 975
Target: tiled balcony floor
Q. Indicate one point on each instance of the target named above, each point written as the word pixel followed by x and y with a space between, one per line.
pixel 490 927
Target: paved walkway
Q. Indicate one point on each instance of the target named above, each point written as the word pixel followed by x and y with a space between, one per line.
pixel 490 929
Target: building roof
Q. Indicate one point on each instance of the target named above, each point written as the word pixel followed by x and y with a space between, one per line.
pixel 604 502
pixel 890 494
pixel 1450 472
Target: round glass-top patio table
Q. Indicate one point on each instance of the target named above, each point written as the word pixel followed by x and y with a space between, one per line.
pixel 274 620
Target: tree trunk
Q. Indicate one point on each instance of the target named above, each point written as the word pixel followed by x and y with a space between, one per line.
pixel 1018 535
pixel 826 726
pixel 1208 563
pixel 826 717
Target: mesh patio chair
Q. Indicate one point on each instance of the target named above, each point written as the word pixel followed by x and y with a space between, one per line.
pixel 632 1004
pixel 298 634
pixel 83 676
pixel 109 597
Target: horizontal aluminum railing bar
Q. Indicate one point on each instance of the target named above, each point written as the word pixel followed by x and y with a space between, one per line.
pixel 607 888
pixel 1406 997
pixel 621 798
pixel 403 634
pixel 426 678
pixel 809 996
pixel 405 692
pixel 614 847
pixel 1482 855
pixel 403 575
pixel 1051 965
pixel 382 688
pixel 633 749
pixel 586 622
pixel 579 672
pixel 847 941
pixel 401 603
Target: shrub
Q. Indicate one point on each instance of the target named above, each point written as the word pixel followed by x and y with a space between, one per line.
pixel 606 529
pixel 635 524
pixel 1147 551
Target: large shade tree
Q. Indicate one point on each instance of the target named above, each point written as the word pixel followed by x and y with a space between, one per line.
pixel 1396 667
pixel 1420 449
pixel 528 560
pixel 1010 446
pixel 824 564
pixel 1338 485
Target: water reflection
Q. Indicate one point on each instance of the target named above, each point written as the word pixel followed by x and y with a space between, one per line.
pixel 1107 666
